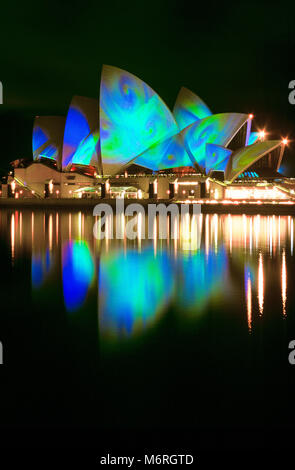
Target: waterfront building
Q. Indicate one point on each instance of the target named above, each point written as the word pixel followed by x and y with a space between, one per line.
pixel 129 144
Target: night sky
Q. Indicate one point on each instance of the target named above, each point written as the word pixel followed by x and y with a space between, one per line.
pixel 237 58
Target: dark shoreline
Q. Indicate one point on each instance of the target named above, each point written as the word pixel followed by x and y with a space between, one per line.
pixel 89 204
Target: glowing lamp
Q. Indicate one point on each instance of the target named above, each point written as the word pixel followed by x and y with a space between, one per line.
pixel 251 116
pixel 50 186
pixel 262 135
pixel 285 141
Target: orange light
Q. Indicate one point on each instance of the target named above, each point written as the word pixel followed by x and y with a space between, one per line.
pixel 285 141
pixel 262 134
pixel 251 116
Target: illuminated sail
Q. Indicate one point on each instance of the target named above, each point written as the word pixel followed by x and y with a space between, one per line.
pixel 217 157
pixel 246 156
pixel 132 118
pixel 81 134
pixel 169 153
pixel 217 129
pixel 47 138
pixel 254 136
pixel 189 108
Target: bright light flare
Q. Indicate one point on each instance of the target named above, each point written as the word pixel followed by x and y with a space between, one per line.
pixel 262 134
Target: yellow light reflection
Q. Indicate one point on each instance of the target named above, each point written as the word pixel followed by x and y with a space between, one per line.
pixel 50 230
pixel 207 235
pixel 56 228
pixel 32 227
pixel 249 303
pixel 260 284
pixel 284 282
pixel 291 236
pixel 12 236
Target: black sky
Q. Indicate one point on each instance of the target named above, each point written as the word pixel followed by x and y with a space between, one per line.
pixel 237 57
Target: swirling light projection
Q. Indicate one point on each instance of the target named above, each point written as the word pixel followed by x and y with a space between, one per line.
pixel 217 129
pixel 253 137
pixel 189 108
pixel 77 273
pixel 88 151
pixel 47 138
pixel 81 133
pixel 169 153
pixel 130 302
pixel 246 156
pixel 217 157
pixel 202 277
pixel 132 118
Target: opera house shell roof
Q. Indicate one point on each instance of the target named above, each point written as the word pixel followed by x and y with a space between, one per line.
pixel 130 124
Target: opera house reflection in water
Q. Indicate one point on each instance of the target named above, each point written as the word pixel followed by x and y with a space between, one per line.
pixel 217 259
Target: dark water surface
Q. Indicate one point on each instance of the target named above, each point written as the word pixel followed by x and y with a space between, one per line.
pixel 190 333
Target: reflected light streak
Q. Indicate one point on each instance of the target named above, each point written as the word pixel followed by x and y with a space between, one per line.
pixel 21 226
pixel 260 284
pixel 207 235
pixel 251 235
pixel 291 236
pixel 80 225
pixel 32 226
pixel 270 237
pixel 245 231
pixel 12 236
pixel 215 232
pixel 284 282
pixel 70 226
pixel 248 289
pixel 230 233
pixel 257 229
pixel 56 227
pixel 50 230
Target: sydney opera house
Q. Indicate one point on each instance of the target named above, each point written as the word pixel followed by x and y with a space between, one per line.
pixel 129 144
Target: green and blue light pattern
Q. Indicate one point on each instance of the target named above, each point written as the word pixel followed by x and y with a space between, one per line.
pixel 39 138
pixel 217 157
pixel 202 278
pixel 132 118
pixel 169 153
pixel 41 266
pixel 254 136
pixel 88 151
pixel 246 156
pixel 134 288
pixel 217 129
pixel 189 108
pixel 77 273
pixel 80 142
pixel 47 137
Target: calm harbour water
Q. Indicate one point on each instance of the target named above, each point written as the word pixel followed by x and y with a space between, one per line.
pixel 180 333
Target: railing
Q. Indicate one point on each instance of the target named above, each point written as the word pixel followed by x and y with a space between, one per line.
pixel 26 186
